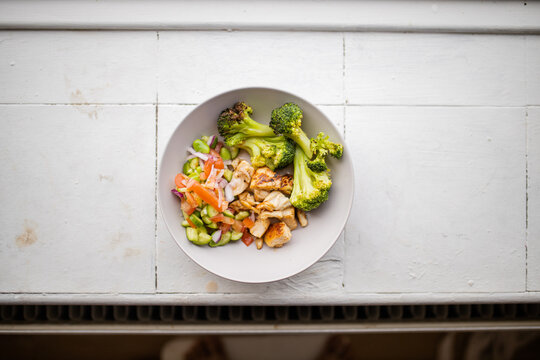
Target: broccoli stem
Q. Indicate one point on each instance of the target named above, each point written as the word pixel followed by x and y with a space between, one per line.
pixel 300 137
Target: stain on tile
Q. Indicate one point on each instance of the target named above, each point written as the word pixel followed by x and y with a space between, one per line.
pixel 28 236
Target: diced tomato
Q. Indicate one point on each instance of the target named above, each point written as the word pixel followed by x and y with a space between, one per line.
pixel 238 226
pixel 222 218
pixel 248 222
pixel 188 209
pixel 178 180
pixel 190 199
pixel 224 228
pixel 247 238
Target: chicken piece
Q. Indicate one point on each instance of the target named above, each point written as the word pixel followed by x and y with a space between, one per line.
pixel 277 235
pixel 238 206
pixel 260 195
pixel 247 200
pixel 274 201
pixel 241 177
pixel 259 243
pixel 259 228
pixel 302 218
pixel 286 215
pixel 265 179
pixel 286 184
pixel 235 162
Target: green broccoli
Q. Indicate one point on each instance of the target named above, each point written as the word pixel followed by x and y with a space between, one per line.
pixel 321 146
pixel 321 143
pixel 276 152
pixel 287 120
pixel 235 124
pixel 310 189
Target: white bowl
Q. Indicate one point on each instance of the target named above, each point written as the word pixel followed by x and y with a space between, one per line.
pixel 235 261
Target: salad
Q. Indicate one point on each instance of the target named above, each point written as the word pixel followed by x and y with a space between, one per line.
pixel 224 197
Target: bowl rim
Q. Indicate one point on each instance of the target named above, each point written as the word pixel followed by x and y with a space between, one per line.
pixel 349 203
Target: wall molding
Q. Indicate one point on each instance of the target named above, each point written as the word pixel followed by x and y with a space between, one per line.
pixel 515 17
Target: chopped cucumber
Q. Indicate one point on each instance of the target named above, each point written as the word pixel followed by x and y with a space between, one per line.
pixel 229 214
pixel 236 235
pixel 211 211
pixel 227 174
pixel 206 220
pixel 242 215
pixel 192 234
pixel 212 225
pixel 185 224
pixel 194 163
pixel 234 151
pixel 187 169
pixel 203 239
pixel 225 154
pixel 201 146
pixel 196 220
pixel 195 176
pixel 214 143
pixel 225 238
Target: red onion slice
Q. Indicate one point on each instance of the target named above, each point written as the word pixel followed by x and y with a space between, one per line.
pixel 210 140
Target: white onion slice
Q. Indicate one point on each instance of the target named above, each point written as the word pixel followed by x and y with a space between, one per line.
pixel 197 154
pixel 190 157
pixel 252 216
pixel 216 236
pixel 220 174
pixel 223 183
pixel 229 193
pixel 201 163
pixel 220 197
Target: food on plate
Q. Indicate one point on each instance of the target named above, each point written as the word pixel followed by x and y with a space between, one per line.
pixel 277 235
pixel 225 198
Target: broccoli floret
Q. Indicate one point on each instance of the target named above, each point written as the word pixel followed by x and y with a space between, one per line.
pixel 322 144
pixel 276 152
pixel 287 120
pixel 235 124
pixel 310 189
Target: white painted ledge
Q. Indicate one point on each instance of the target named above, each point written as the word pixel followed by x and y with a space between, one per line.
pixel 324 15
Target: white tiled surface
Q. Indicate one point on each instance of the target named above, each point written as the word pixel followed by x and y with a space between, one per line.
pixel 77 201
pixel 443 206
pixel 437 124
pixel 435 69
pixel 78 67
pixel 533 233
pixel 196 65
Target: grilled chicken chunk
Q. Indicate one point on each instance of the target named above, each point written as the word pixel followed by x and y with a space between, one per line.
pixel 241 178
pixel 259 228
pixel 277 235
pixel 266 179
pixel 247 200
pixel 286 215
pixel 286 184
pixel 274 201
pixel 302 218
pixel 260 195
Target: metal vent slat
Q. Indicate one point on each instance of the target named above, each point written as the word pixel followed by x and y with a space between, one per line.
pixel 128 314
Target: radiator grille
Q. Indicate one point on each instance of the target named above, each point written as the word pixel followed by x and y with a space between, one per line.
pixel 78 314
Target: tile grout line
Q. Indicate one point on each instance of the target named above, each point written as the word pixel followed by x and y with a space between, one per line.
pixel 526 199
pixel 156 173
pixel 344 97
pixel 526 172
